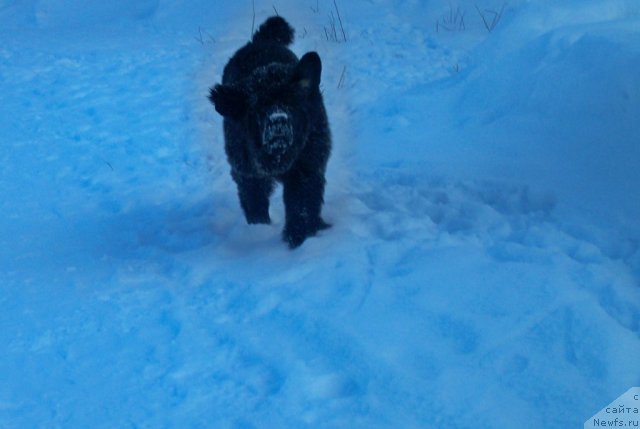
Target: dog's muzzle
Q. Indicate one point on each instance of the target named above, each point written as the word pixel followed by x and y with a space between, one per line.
pixel 277 135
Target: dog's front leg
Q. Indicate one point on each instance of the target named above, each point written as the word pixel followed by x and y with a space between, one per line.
pixel 254 197
pixel 303 198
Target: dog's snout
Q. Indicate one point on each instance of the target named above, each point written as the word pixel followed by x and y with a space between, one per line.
pixel 278 132
pixel 278 123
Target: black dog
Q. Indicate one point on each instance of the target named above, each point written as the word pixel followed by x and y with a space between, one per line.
pixel 276 129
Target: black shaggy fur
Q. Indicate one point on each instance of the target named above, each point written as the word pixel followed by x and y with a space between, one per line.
pixel 276 129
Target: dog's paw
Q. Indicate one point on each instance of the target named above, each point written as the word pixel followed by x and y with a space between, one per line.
pixel 293 239
pixel 296 234
pixel 259 220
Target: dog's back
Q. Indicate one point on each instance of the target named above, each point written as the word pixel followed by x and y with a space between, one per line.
pixel 267 46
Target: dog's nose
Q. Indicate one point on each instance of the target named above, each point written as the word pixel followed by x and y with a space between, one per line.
pixel 278 123
pixel 277 130
pixel 278 116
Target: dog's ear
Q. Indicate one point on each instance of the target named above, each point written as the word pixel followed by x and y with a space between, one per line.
pixel 308 70
pixel 229 101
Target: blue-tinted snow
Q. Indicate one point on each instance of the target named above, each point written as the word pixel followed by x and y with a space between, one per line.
pixel 483 267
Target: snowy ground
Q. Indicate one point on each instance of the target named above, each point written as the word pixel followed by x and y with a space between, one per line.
pixel 483 270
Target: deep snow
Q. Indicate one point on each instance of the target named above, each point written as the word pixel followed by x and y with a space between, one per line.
pixel 482 271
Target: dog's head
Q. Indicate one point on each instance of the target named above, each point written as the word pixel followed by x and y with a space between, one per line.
pixel 271 108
